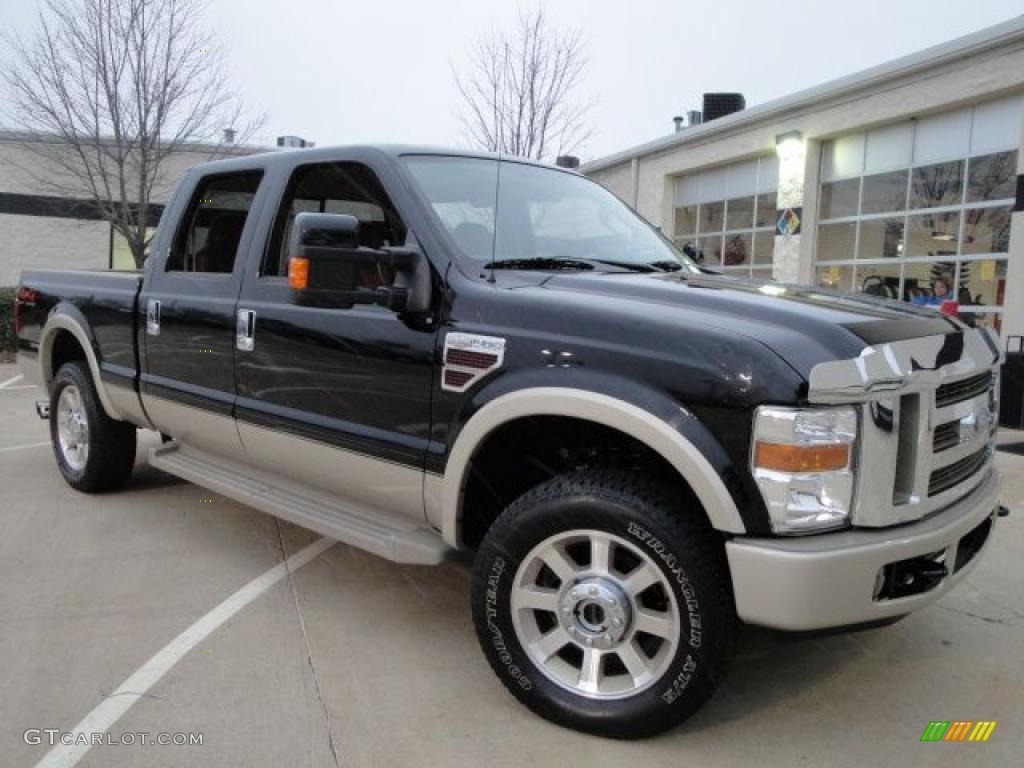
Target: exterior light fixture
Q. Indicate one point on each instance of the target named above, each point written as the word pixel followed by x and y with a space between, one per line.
pixel 789 144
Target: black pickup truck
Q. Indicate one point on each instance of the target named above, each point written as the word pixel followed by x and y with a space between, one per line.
pixel 420 352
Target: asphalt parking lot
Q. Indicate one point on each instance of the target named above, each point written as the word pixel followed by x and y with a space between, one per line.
pixel 352 660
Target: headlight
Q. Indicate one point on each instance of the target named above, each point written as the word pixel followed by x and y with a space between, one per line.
pixel 803 462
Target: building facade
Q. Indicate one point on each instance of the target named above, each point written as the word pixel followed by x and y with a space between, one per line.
pixel 905 181
pixel 46 220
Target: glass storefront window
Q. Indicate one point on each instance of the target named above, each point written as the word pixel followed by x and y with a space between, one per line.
pixel 712 217
pixel 686 220
pixel 711 249
pixel 764 246
pixel 726 215
pixel 740 213
pixel 928 284
pixel 926 205
pixel 839 198
pixel 766 210
pixel 992 177
pixel 982 283
pixel 835 278
pixel 987 230
pixel 836 241
pixel 932 234
pixel 738 248
pixel 882 280
pixel 884 192
pixel 934 186
pixel 881 238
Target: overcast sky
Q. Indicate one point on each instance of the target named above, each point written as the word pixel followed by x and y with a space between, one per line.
pixel 339 72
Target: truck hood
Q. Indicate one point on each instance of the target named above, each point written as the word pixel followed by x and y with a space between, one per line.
pixel 804 326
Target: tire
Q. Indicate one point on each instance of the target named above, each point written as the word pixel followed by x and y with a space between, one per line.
pixel 646 682
pixel 94 452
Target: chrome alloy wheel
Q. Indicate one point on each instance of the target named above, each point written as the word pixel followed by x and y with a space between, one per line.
pixel 72 428
pixel 595 614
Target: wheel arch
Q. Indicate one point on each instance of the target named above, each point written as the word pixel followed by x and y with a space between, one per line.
pixel 674 442
pixel 66 321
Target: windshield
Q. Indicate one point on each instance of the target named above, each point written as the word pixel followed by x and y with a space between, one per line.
pixel 544 216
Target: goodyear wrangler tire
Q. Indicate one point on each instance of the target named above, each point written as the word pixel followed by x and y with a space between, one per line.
pixel 603 605
pixel 94 452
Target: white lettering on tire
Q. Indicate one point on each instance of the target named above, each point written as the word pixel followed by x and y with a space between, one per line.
pixel 497 638
pixel 676 569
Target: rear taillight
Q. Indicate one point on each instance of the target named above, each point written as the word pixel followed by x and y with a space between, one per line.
pixel 25 296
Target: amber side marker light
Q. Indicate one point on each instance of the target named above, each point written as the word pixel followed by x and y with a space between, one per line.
pixel 298 273
pixel 801 458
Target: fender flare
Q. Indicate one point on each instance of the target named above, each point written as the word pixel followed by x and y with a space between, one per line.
pixel 68 318
pixel 625 417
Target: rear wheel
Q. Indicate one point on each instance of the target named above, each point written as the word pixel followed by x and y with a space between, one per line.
pixel 94 452
pixel 603 605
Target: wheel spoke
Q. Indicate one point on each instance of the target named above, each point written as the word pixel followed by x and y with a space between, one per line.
pixel 550 644
pixel 637 666
pixel 657 623
pixel 643 576
pixel 559 562
pixel 600 554
pixel 537 598
pixel 590 672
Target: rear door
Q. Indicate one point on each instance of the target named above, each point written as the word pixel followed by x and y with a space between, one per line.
pixel 337 398
pixel 188 382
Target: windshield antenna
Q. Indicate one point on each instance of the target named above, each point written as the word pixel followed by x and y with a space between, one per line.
pixel 494 231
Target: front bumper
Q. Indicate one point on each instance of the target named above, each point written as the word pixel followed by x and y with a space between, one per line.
pixel 829 580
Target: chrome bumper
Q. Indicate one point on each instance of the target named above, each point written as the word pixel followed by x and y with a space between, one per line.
pixel 829 580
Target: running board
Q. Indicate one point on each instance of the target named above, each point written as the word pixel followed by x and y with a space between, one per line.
pixel 387 535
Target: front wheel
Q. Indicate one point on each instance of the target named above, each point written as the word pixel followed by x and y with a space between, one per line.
pixel 94 452
pixel 604 605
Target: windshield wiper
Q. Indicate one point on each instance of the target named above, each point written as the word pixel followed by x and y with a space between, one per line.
pixel 632 266
pixel 666 265
pixel 541 262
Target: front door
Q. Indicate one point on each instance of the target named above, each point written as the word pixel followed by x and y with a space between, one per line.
pixel 338 398
pixel 188 384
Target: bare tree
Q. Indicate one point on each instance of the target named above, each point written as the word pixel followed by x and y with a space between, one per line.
pixel 520 90
pixel 107 91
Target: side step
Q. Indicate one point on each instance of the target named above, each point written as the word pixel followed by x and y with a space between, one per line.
pixel 387 535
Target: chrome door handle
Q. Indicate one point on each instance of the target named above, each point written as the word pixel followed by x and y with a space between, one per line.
pixel 245 330
pixel 153 317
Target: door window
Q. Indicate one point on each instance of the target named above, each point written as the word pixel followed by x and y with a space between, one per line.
pixel 349 188
pixel 212 228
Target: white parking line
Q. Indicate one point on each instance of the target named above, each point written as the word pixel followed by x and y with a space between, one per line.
pixel 113 707
pixel 20 386
pixel 3 384
pixel 22 447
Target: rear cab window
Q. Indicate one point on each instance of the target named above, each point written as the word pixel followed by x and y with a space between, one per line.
pixel 209 234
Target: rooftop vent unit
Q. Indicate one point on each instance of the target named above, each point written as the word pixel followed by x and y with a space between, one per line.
pixel 718 105
pixel 293 142
pixel 567 161
pixel 693 117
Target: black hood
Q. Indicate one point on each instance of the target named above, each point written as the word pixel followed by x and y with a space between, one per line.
pixel 804 326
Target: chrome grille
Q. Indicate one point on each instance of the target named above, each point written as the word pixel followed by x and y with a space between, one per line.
pixel 953 474
pixel 965 389
pixel 946 436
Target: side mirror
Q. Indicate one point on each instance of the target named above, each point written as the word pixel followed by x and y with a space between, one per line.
pixel 329 268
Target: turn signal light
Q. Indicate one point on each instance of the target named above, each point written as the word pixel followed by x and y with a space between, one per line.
pixel 801 458
pixel 298 273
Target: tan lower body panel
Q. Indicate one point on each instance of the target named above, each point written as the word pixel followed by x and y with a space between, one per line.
pixel 389 535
